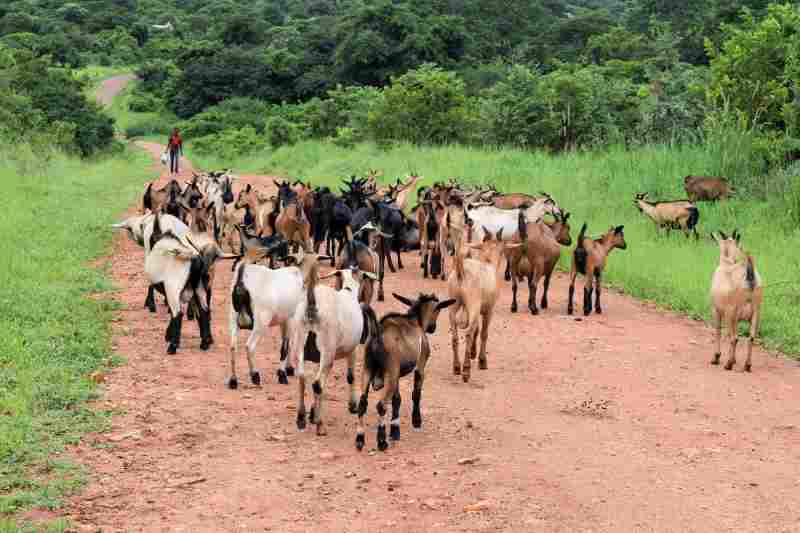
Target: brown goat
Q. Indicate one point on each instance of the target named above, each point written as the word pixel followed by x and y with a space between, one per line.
pixel 293 225
pixel 707 188
pixel 736 295
pixel 261 211
pixel 401 346
pixel 589 258
pixel 474 285
pixel 537 257
pixel 355 253
pixel 516 200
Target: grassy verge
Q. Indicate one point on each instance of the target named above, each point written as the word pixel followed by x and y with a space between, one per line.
pixel 153 126
pixel 53 332
pixel 598 188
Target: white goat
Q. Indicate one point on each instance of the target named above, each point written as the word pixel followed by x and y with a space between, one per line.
pixel 262 298
pixel 736 294
pixel 493 219
pixel 326 329
pixel 183 269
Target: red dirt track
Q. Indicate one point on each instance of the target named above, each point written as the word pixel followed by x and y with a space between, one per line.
pixel 615 423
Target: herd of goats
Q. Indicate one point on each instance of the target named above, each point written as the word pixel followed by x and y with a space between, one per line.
pixel 463 236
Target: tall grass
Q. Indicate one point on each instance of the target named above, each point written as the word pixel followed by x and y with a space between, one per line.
pixel 598 188
pixel 151 126
pixel 53 326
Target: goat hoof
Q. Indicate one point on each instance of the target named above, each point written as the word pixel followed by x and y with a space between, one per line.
pixel 587 312
pixel 394 432
pixel 715 359
pixel 172 349
pixel 352 407
pixel 290 371
pixel 598 310
pixel 513 308
pixel 311 416
pixel 483 365
pixel 729 365
pixel 507 277
pixel 380 297
pixel 382 444
pixel 359 442
pixel 233 383
pixel 151 308
pixel 282 379
pixel 205 344
pixel 456 370
pixel 533 310
pixel 746 368
pixel 543 304
pixel 255 377
pixel 416 420
pixel 465 377
pixel 301 420
pixel 321 431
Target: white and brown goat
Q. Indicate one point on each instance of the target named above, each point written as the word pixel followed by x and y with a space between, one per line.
pixel 676 214
pixel 736 296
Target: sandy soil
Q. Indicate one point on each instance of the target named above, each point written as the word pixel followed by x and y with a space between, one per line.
pixel 110 87
pixel 613 423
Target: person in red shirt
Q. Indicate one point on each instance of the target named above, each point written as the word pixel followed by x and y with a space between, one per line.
pixel 175 148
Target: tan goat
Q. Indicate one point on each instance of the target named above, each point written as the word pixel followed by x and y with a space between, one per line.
pixel 589 259
pixel 681 214
pixel 473 283
pixel 736 295
pixel 294 226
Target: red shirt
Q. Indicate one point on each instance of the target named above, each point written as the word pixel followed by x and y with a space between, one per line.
pixel 175 141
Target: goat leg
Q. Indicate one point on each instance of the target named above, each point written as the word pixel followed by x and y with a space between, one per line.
pixel 533 282
pixel 150 300
pixel 394 424
pixel 387 253
pixel 546 287
pixel 175 329
pixel 416 397
pixel 597 308
pixel 734 334
pixel 514 285
pixel 454 339
pixel 483 362
pixel 716 320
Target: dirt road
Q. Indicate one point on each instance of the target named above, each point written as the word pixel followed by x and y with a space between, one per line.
pixel 615 423
pixel 111 87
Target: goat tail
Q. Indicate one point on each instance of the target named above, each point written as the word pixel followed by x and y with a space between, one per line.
pixel 147 200
pixel 312 313
pixel 750 273
pixel 581 235
pixel 694 217
pixel 522 226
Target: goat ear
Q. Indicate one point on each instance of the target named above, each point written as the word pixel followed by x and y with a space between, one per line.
pixel 499 235
pixel 618 230
pixel 722 234
pixel 487 235
pixel 445 304
pixel 248 188
pixel 402 299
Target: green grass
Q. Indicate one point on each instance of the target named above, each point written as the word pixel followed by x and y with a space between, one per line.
pixel 93 75
pixel 53 326
pixel 597 188
pixel 148 126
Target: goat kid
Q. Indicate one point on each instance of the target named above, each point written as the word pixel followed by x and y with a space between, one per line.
pixel 400 347
pixel 589 258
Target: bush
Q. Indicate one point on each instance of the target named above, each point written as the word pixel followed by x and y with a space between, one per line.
pixel 160 126
pixel 234 113
pixel 281 132
pixel 230 144
pixel 144 103
pixel 425 106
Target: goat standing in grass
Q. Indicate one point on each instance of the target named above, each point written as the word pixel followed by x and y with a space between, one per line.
pixel 329 325
pixel 676 214
pixel 707 188
pixel 736 295
pixel 589 259
pixel 537 257
pixel 183 268
pixel 473 283
pixel 400 347
pixel 262 298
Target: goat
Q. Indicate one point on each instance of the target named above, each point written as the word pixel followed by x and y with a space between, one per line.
pixel 474 285
pixel 589 259
pixel 516 200
pixel 248 242
pixel 537 257
pixel 293 225
pixel 494 219
pixel 183 268
pixel 400 347
pixel 675 214
pixel 329 325
pixel 262 298
pixel 736 295
pixel 164 199
pixel 219 194
pixel 260 211
pixel 404 191
pixel 430 217
pixel 321 216
pixel 355 253
pixel 390 223
pixel 707 188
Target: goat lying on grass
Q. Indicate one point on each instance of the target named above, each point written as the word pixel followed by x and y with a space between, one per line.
pixel 473 284
pixel 262 298
pixel 400 347
pixel 589 258
pixel 736 295
pixel 182 268
pixel 678 214
pixel 329 325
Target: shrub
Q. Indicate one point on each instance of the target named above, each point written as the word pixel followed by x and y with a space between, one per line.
pixel 426 105
pixel 230 144
pixel 144 103
pixel 233 113
pixel 281 132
